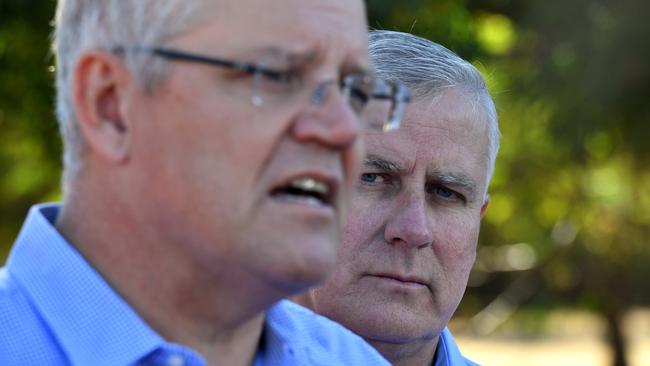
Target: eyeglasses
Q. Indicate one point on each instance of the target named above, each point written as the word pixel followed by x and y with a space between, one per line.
pixel 276 79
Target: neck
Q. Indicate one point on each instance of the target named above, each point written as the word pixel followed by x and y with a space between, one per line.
pixel 218 314
pixel 417 353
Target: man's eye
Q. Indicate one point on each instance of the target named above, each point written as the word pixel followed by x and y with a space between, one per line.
pixel 376 179
pixel 276 83
pixel 368 177
pixel 278 76
pixel 446 194
pixel 443 192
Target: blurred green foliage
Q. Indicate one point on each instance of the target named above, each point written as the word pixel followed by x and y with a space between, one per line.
pixel 569 218
pixel 30 148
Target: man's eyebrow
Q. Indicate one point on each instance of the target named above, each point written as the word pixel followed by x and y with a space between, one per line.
pixel 383 164
pixel 467 184
pixel 295 57
pixel 310 57
pixel 359 68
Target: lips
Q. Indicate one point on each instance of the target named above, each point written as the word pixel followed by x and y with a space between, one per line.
pixel 406 280
pixel 308 189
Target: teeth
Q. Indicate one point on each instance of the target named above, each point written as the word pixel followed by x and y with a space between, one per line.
pixel 305 190
pixel 310 185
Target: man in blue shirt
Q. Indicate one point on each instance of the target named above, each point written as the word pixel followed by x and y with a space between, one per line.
pixel 411 239
pixel 210 147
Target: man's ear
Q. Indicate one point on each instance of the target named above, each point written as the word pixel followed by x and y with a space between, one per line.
pixel 100 80
pixel 485 206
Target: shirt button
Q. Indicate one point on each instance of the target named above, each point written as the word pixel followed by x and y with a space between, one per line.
pixel 175 360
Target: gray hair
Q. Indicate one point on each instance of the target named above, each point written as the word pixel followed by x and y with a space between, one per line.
pixel 83 25
pixel 427 68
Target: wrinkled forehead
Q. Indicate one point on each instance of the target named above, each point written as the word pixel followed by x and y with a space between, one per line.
pixel 329 26
pixel 448 114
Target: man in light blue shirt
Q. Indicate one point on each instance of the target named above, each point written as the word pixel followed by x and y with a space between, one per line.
pixel 55 309
pixel 210 147
pixel 411 239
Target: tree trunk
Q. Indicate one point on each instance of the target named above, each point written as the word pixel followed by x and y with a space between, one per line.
pixel 616 338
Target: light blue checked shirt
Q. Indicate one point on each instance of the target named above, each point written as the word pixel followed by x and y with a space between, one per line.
pixel 56 310
pixel 448 354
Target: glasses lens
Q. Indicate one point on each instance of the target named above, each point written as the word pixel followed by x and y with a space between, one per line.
pixel 378 103
pixel 386 105
pixel 274 81
pixel 357 90
pixel 376 113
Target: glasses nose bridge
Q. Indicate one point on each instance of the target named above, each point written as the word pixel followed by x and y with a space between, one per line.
pixel 322 92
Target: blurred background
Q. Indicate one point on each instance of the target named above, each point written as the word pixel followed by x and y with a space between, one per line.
pixel 563 269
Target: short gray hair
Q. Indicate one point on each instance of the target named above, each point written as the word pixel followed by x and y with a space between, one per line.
pixel 427 68
pixel 83 25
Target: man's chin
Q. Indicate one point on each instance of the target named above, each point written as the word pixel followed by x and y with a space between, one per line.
pixel 298 277
pixel 394 324
pixel 401 335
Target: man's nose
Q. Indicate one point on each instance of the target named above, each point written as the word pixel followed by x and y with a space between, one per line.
pixel 410 225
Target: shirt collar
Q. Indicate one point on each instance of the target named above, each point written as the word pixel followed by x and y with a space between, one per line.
pixel 279 343
pixel 93 324
pixel 447 352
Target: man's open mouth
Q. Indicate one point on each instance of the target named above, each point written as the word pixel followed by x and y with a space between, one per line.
pixel 307 190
